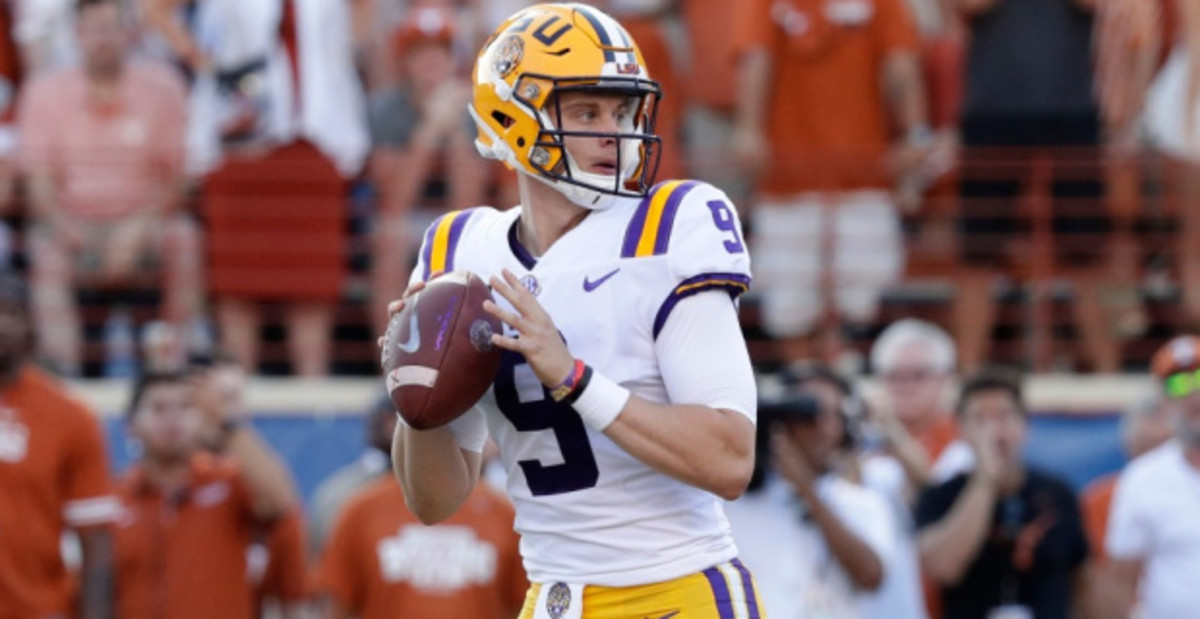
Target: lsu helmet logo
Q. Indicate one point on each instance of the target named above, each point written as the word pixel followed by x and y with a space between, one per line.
pixel 509 53
pixel 629 68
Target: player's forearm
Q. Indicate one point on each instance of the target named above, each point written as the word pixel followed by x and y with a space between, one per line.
pixel 96 582
pixel 267 477
pixel 705 447
pixel 948 547
pixel 434 472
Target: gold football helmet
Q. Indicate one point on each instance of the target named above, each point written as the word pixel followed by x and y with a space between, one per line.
pixel 549 49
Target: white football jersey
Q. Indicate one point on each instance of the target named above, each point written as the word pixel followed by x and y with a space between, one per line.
pixel 587 511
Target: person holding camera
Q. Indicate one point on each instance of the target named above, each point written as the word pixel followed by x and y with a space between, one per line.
pixel 839 537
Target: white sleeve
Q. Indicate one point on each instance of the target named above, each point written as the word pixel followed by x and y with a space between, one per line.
pixel 1130 533
pixel 703 358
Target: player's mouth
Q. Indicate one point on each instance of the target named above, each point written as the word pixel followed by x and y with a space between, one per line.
pixel 607 167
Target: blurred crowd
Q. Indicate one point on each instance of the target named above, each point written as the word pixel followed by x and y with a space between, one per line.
pixel 910 500
pixel 176 173
pixel 232 165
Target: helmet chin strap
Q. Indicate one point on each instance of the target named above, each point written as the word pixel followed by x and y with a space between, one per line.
pixel 581 196
pixel 589 197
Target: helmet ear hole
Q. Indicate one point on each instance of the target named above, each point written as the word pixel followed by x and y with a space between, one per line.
pixel 503 119
pixel 521 142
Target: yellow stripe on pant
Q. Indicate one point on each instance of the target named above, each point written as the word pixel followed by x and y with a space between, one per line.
pixel 724 591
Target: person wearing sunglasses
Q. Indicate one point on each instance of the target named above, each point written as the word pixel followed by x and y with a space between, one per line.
pixel 1153 536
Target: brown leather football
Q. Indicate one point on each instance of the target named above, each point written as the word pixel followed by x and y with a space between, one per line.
pixel 438 358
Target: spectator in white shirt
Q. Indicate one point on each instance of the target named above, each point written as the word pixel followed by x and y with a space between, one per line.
pixel 1153 536
pixel 829 541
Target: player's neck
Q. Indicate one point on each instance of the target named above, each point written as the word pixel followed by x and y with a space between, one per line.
pixel 546 216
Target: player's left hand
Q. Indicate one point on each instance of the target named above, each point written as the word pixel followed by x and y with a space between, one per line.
pixel 537 338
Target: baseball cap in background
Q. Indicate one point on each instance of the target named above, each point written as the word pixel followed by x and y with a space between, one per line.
pixel 1178 355
pixel 424 25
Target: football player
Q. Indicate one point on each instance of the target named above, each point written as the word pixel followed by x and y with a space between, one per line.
pixel 624 408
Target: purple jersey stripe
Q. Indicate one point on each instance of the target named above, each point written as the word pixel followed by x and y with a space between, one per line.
pixel 720 592
pixel 514 244
pixel 633 233
pixel 456 228
pixel 734 283
pixel 663 239
pixel 748 588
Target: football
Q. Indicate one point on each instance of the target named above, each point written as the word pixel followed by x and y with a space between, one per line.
pixel 437 357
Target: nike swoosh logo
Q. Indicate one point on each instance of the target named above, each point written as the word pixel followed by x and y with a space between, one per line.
pixel 669 615
pixel 413 342
pixel 589 286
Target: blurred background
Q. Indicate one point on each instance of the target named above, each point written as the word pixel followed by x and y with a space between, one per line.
pixel 1018 173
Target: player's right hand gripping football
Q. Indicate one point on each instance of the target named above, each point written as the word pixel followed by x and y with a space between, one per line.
pixel 538 338
pixel 395 307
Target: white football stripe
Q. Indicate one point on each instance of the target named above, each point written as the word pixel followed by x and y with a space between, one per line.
pixel 453 277
pixel 406 375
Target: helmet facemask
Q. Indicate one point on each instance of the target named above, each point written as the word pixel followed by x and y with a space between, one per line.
pixel 638 149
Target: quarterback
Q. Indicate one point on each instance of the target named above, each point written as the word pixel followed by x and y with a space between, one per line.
pixel 624 408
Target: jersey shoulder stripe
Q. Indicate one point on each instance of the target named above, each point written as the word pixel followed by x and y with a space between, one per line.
pixel 441 242
pixel 735 284
pixel 649 231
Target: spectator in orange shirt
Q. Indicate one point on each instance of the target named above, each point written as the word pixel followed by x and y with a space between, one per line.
pixel 818 83
pixel 712 93
pixel 225 429
pixel 279 567
pixel 53 477
pixel 1144 426
pixel 278 549
pixel 382 563
pixel 189 516
pixel 103 147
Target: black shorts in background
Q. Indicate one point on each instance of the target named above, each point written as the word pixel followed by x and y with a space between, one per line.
pixel 995 223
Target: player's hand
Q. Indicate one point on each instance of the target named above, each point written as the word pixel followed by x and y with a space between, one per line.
pixel 790 463
pixel 537 338
pixel 397 306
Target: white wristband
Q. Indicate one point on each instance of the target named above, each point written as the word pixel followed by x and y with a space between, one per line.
pixel 601 401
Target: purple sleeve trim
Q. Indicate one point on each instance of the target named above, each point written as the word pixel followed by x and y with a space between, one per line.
pixel 734 283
